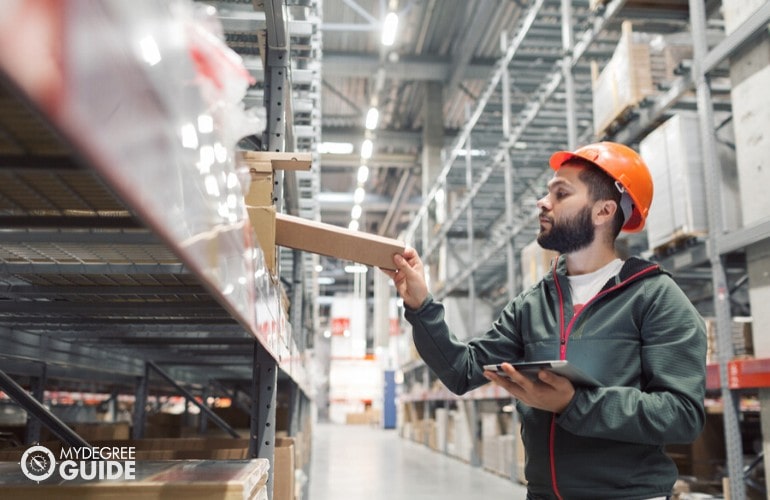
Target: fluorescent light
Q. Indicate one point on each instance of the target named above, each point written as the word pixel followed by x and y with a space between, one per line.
pixel 335 148
pixel 363 174
pixel 440 195
pixel 205 124
pixel 474 152
pixel 353 226
pixel 189 136
pixel 355 269
pixel 519 145
pixel 359 195
pixel 327 334
pixel 319 268
pixel 150 50
pixel 326 280
pixel 366 149
pixel 356 212
pixel 372 117
pixel 389 28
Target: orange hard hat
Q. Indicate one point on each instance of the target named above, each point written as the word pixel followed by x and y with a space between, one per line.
pixel 625 166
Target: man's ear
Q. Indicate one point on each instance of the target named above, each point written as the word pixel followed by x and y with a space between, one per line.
pixel 604 212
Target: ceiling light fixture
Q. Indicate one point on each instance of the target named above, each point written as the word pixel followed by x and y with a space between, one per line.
pixel 355 269
pixel 359 195
pixel 335 148
pixel 389 28
pixel 355 213
pixel 363 174
pixel 372 117
pixel 366 149
pixel 353 226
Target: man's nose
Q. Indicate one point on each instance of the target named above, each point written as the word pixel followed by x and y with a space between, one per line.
pixel 543 203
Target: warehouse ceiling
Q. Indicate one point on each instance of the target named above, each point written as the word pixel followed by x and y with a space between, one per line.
pixel 81 273
pixel 448 53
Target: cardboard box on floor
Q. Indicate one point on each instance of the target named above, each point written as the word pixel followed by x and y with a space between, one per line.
pixel 326 239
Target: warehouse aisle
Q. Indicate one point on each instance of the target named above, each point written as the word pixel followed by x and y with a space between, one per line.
pixel 364 463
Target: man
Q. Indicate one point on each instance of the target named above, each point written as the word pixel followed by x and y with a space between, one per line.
pixel 625 323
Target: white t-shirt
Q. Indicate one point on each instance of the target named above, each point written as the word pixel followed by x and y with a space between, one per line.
pixel 584 286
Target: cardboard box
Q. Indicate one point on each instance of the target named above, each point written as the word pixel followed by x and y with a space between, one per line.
pixel 624 81
pixel 260 191
pixel 278 160
pixel 262 165
pixel 333 241
pixel 263 221
pixel 283 469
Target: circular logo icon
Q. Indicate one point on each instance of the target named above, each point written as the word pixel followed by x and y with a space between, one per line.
pixel 38 463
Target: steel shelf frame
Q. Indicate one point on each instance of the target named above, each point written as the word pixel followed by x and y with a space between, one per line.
pixel 163 307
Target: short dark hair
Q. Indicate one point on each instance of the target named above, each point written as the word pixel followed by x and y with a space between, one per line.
pixel 601 187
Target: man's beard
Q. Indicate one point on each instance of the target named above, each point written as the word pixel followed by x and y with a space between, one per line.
pixel 570 235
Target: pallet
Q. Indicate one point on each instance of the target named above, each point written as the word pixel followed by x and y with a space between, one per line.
pixel 678 242
pixel 618 123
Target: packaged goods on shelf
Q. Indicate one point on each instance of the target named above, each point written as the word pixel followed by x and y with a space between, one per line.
pixel 742 335
pixel 679 208
pixel 736 12
pixel 535 262
pixel 624 81
pixel 333 241
pixel 284 465
pixel 490 424
pixel 492 454
pixel 641 62
pixel 750 76
pixel 442 419
pixel 514 442
pixel 742 338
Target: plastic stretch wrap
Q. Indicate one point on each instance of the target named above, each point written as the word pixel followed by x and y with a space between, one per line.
pixel 151 96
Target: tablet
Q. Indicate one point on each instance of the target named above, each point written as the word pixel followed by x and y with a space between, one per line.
pixel 559 367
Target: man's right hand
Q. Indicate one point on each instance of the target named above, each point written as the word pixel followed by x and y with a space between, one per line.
pixel 409 278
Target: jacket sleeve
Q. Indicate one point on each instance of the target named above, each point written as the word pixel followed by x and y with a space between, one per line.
pixel 669 406
pixel 459 365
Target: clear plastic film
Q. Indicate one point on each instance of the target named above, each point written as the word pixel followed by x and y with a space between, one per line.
pixel 151 96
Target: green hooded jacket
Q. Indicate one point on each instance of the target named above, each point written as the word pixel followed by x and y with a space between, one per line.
pixel 640 337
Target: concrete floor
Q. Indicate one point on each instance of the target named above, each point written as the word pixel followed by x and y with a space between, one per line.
pixel 366 463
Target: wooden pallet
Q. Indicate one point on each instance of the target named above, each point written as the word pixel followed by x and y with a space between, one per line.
pixel 678 242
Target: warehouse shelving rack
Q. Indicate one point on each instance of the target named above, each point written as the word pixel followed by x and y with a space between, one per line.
pixel 112 282
pixel 554 112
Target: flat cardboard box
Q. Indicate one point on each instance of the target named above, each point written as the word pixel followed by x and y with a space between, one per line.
pixel 263 221
pixel 333 241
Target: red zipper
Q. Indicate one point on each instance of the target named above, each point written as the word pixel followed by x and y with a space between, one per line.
pixel 563 338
